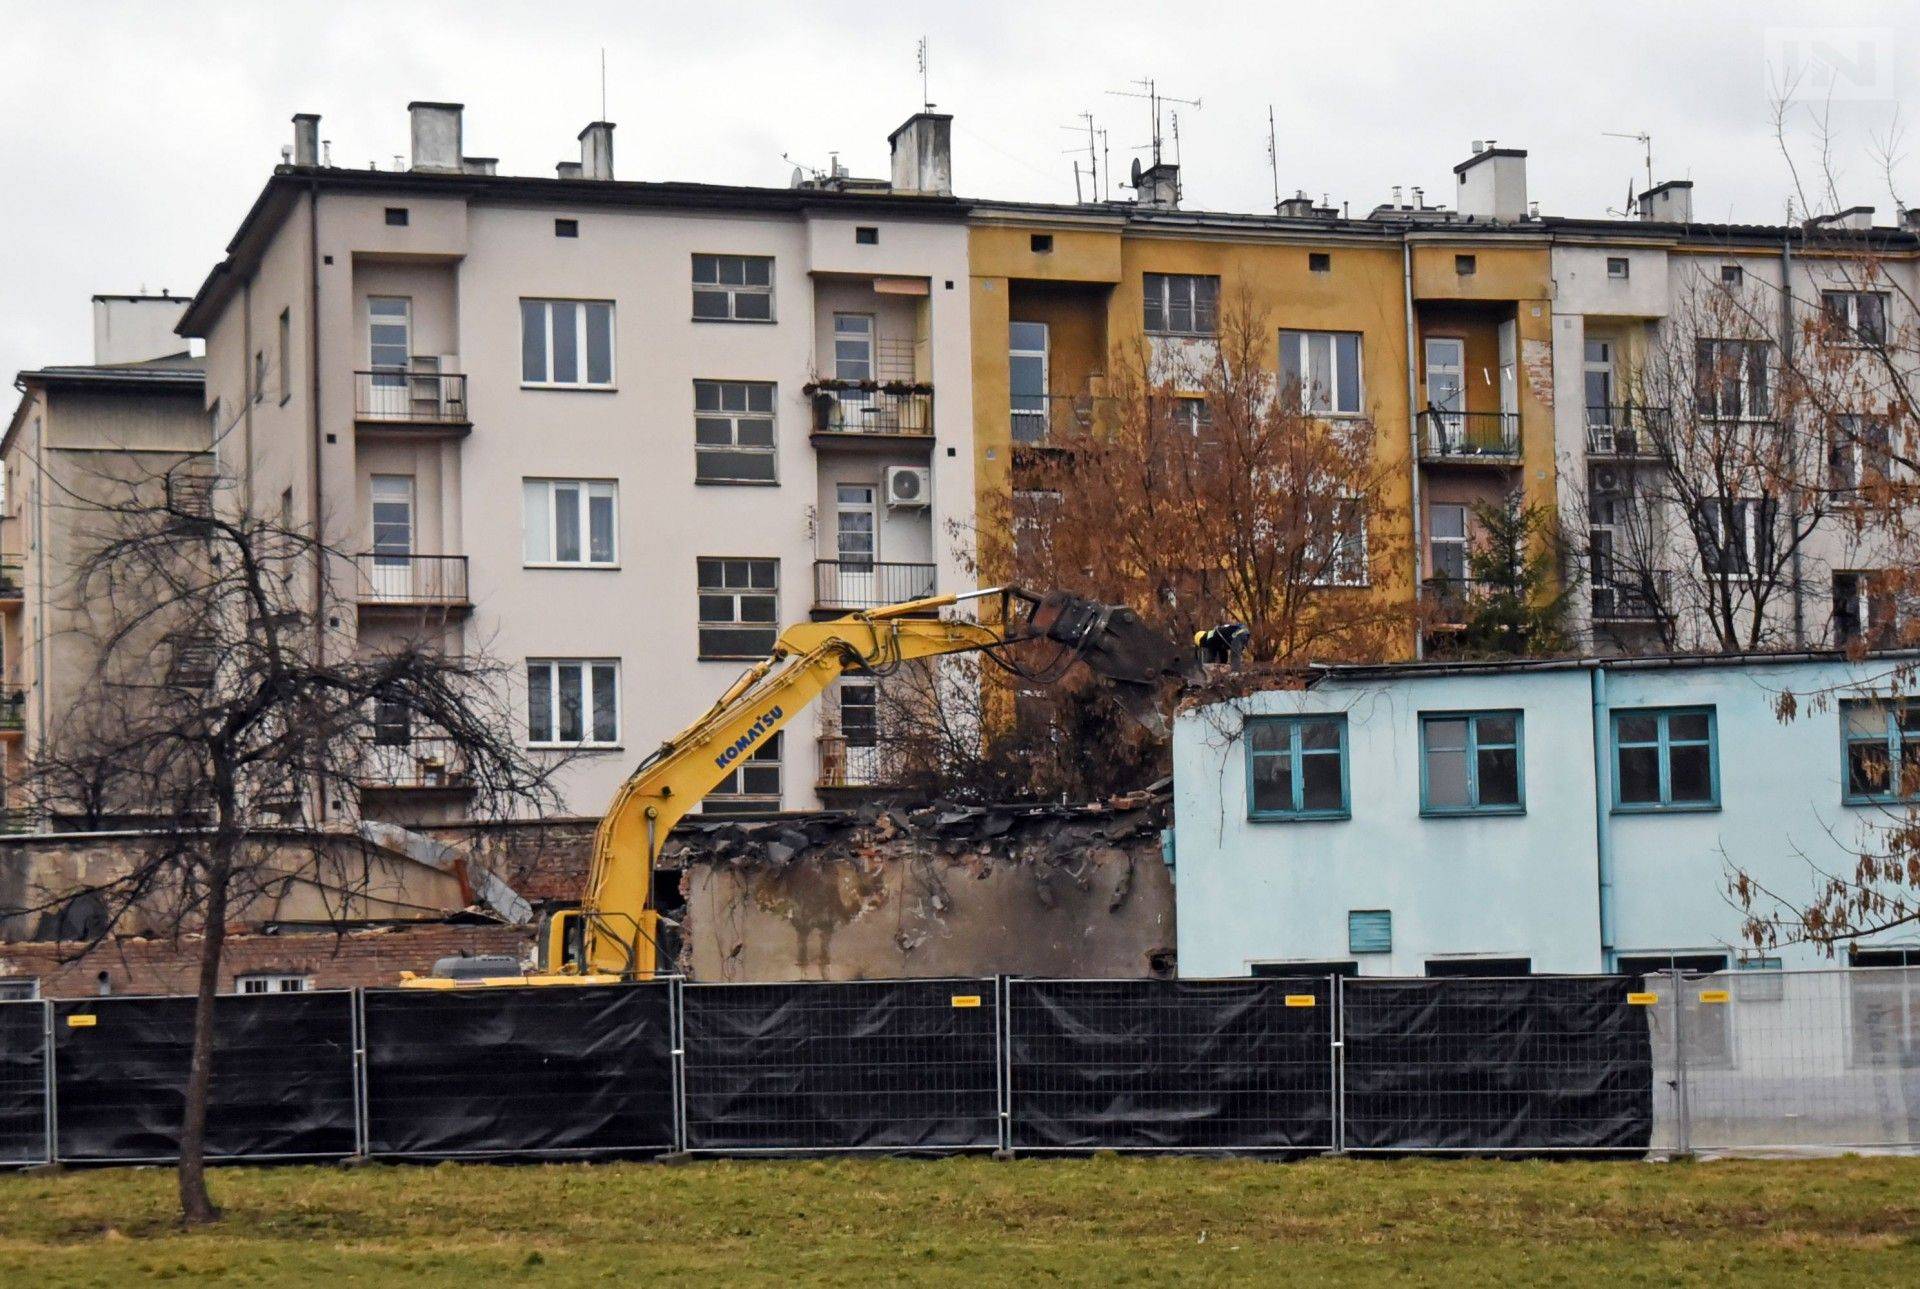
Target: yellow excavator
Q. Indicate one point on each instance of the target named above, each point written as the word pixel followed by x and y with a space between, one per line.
pixel 613 934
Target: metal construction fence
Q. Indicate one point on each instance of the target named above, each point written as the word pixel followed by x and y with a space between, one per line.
pixel 1737 1062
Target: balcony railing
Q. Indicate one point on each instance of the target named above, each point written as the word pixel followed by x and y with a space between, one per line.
pixel 1449 600
pixel 413 762
pixel 1041 420
pixel 13 708
pixel 858 407
pixel 410 396
pixel 1469 436
pixel 1631 597
pixel 850 765
pixel 12 579
pixel 435 580
pixel 15 819
pixel 851 585
pixel 1627 431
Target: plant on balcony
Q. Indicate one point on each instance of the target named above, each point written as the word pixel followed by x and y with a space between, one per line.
pixel 1516 598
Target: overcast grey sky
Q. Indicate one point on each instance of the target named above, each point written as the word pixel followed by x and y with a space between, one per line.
pixel 134 136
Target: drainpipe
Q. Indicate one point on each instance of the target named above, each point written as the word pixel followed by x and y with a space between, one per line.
pixel 1602 811
pixel 313 435
pixel 1786 356
pixel 1413 431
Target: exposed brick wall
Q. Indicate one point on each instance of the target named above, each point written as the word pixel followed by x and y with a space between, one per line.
pixel 162 966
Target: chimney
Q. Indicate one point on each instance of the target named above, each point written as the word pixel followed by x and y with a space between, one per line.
pixel 1158 186
pixel 135 328
pixel 480 165
pixel 1668 203
pixel 1855 217
pixel 596 151
pixel 1910 219
pixel 1493 184
pixel 306 138
pixel 567 169
pixel 923 154
pixel 436 137
pixel 1298 206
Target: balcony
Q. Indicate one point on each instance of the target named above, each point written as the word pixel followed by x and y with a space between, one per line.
pixel 413 763
pixel 1048 420
pixel 407 582
pixel 1449 601
pixel 13 710
pixel 12 582
pixel 1625 433
pixel 1470 438
pixel 414 400
pixel 856 412
pixel 1631 598
pixel 849 765
pixel 852 586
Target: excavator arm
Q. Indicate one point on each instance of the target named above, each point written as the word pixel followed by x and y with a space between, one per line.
pixel 614 933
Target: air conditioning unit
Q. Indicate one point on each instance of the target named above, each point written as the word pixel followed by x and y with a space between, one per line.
pixel 909 487
pixel 1605 479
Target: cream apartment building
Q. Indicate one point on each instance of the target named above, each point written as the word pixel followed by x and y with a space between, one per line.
pixel 612 433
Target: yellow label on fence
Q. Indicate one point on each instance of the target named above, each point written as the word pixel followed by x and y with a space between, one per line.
pixel 81 1021
pixel 1642 1000
pixel 1714 996
pixel 1299 1000
pixel 966 1000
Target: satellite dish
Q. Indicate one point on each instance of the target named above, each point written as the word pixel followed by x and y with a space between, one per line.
pixel 799 177
pixel 1136 172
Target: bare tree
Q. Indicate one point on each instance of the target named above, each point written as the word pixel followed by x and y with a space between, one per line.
pixel 220 710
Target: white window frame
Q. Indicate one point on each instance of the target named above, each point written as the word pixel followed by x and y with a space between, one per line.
pixel 1464 541
pixel 733 417
pixel 733 290
pixel 589 490
pixel 1303 343
pixel 1849 315
pixel 772 751
pixel 272 982
pixel 1748 410
pixel 580 308
pixel 1751 513
pixel 10 989
pixel 586 667
pixel 1189 285
pixel 1341 570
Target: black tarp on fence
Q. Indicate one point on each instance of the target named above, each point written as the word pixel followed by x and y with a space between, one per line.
pixel 283 1077
pixel 901 1065
pixel 1171 1064
pixel 1515 1064
pixel 23 1083
pixel 520 1071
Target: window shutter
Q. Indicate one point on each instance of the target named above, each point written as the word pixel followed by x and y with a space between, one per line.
pixel 1370 931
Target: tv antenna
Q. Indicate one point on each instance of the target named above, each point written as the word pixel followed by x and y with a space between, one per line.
pixel 1273 159
pixel 1092 149
pixel 603 82
pixel 1645 141
pixel 926 100
pixel 1150 90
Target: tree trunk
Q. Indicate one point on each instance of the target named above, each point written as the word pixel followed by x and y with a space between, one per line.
pixel 196 1206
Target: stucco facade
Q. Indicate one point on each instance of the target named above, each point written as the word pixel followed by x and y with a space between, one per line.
pixel 1576 878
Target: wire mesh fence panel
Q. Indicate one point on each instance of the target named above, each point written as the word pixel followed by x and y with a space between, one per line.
pixel 23 1083
pixel 895 1065
pixel 282 1087
pixel 1534 1063
pixel 1799 1061
pixel 519 1070
pixel 1171 1064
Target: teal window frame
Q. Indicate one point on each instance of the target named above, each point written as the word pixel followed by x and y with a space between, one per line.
pixel 1892 739
pixel 1473 719
pixel 1666 743
pixel 1293 726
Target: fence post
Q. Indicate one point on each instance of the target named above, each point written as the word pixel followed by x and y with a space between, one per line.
pixel 1337 1054
pixel 47 1105
pixel 1003 1024
pixel 677 1045
pixel 1680 1063
pixel 362 1132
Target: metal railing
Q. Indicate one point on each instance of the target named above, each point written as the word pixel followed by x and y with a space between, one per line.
pixel 1631 598
pixel 868 584
pixel 848 407
pixel 412 579
pixel 1450 600
pixel 850 765
pixel 1627 431
pixel 12 579
pixel 1469 436
pixel 17 819
pixel 1039 420
pixel 419 761
pixel 416 397
pixel 13 708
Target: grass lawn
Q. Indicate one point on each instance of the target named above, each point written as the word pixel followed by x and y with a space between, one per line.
pixel 1098 1221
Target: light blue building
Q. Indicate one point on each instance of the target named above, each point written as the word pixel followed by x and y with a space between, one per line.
pixel 1559 816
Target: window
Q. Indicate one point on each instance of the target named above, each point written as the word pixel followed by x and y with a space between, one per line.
pixel 18 989
pixel 1447 540
pixel 566 228
pixel 855 532
pixel 1345 559
pixel 1297 767
pixel 1464 265
pixel 733 433
pixel 866 236
pixel 1732 275
pixel 1319 262
pixel 392 723
pixel 1470 763
pixel 286 354
pixel 1664 758
pixel 1730 378
pixel 1865 610
pixel 571 521
pixel 1345 968
pixel 739 612
pixel 272 982
pixel 1858 456
pixel 390 503
pixel 566 344
pixel 1027 380
pixel 1477 967
pixel 1599 383
pixel 733 288
pixel 1883 750
pixel 1884 1008
pixel 259 375
pixel 1736 534
pixel 389 339
pixel 1041 243
pixel 573 702
pixel 1857 317
pixel 752 786
pixel 1182 304
pixel 1370 931
pixel 1617 266
pixel 1325 366
pixel 396 216
pixel 859 713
